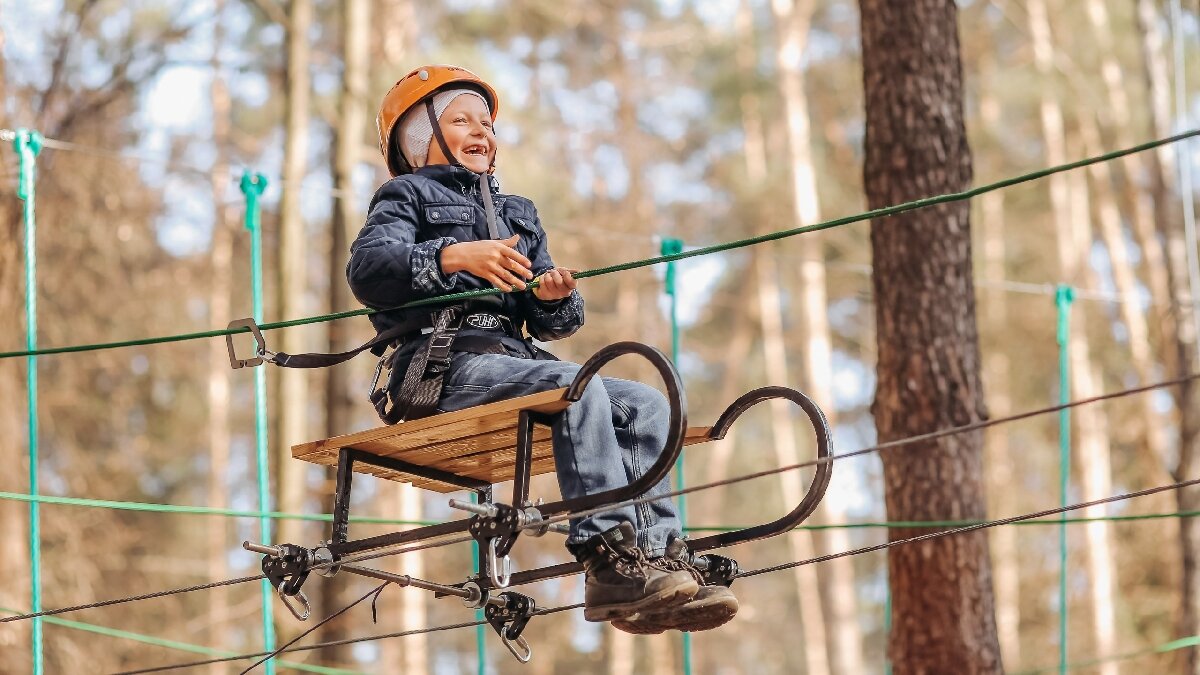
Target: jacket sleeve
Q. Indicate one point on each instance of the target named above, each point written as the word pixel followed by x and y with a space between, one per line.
pixel 388 267
pixel 548 320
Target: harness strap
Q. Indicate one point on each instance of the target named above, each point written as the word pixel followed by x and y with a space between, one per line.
pixel 422 385
pixel 377 344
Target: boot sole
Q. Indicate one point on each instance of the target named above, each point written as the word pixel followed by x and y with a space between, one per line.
pixel 668 597
pixel 698 618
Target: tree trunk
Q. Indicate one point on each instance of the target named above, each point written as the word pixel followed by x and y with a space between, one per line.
pixel 1072 230
pixel 1180 357
pixel 14 516
pixel 1154 426
pixel 996 363
pixel 347 143
pixel 397 28
pixel 838 600
pixel 1137 189
pixel 928 344
pixel 221 270
pixel 292 392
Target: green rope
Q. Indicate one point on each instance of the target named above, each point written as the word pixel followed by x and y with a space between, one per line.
pixel 740 243
pixel 669 247
pixel 199 510
pixel 173 644
pixel 1181 643
pixel 1063 298
pixel 252 187
pixel 480 645
pixel 28 144
pixel 370 520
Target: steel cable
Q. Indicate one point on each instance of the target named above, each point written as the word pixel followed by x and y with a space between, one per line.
pixel 747 574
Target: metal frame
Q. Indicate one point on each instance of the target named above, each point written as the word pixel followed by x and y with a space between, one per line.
pixel 340 546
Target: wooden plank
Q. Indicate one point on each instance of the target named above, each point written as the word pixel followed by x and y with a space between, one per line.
pixel 548 402
pixel 477 442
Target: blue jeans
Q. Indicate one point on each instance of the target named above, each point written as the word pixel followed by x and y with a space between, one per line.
pixel 606 440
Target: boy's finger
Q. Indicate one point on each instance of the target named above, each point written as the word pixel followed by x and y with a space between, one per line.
pixel 513 254
pixel 511 242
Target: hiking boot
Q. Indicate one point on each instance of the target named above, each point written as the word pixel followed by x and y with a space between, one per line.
pixel 712 606
pixel 620 582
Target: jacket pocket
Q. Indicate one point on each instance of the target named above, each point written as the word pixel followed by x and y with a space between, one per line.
pixel 449 214
pixel 526 227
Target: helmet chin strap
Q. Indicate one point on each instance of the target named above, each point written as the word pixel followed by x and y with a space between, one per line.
pixel 485 187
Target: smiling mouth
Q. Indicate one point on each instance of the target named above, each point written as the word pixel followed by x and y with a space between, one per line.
pixel 475 150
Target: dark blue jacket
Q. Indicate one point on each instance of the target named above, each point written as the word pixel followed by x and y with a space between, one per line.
pixel 396 257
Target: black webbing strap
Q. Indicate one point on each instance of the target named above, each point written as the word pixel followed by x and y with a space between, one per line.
pixel 422 385
pixel 437 133
pixel 377 345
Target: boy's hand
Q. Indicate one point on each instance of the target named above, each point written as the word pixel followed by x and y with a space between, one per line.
pixel 495 260
pixel 555 284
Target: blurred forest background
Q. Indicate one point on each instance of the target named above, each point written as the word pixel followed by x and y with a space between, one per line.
pixel 625 122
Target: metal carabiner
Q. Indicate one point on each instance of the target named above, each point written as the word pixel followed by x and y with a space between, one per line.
pixel 498 581
pixel 291 608
pixel 519 642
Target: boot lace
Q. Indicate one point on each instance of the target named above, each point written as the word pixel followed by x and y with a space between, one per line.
pixel 668 564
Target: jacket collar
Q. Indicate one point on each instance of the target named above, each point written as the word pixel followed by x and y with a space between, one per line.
pixel 456 178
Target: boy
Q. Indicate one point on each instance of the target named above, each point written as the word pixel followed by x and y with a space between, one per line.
pixel 439 226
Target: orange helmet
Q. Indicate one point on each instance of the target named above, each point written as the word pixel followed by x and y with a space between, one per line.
pixel 411 90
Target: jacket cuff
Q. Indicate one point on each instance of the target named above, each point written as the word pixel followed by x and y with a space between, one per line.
pixel 557 314
pixel 425 262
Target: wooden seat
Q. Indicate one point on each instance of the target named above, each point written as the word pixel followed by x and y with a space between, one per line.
pixel 477 442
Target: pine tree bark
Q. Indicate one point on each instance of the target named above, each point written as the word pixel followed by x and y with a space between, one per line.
pixel 292 392
pixel 928 344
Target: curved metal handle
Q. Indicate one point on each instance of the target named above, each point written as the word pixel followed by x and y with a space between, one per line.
pixel 820 479
pixel 498 581
pixel 676 426
pixel 291 608
pixel 526 652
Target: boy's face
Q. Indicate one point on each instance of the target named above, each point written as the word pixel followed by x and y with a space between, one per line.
pixel 467 127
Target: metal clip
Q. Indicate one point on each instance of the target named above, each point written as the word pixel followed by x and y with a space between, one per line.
pixel 526 652
pixel 291 608
pixel 498 581
pixel 260 351
pixel 509 613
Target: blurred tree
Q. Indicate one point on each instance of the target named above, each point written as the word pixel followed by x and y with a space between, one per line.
pixel 1091 451
pixel 292 399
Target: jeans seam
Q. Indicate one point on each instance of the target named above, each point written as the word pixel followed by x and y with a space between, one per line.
pixel 642 508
